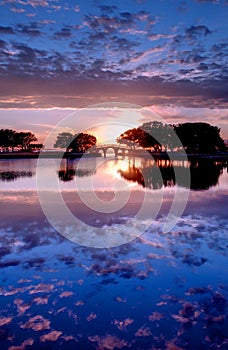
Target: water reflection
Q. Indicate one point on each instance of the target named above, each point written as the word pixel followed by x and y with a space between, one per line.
pixel 152 174
pixel 14 175
pixel 69 169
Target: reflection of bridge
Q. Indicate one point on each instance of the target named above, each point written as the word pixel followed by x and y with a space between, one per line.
pixel 117 149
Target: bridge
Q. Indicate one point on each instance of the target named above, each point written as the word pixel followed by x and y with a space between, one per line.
pixel 117 149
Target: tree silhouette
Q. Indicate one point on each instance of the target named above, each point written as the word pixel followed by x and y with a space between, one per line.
pixel 24 139
pixel 11 139
pixel 154 136
pixel 63 140
pixel 82 142
pixel 7 138
pixel 200 137
pixel 78 143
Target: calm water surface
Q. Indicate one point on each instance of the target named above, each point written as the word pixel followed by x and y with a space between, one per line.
pixel 160 291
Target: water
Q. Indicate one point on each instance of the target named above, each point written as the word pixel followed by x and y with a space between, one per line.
pixel 159 291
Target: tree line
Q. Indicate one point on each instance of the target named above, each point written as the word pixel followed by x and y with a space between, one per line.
pixel 191 137
pixel 155 136
pixel 22 140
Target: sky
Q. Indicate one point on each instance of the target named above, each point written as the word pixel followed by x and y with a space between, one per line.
pixel 167 56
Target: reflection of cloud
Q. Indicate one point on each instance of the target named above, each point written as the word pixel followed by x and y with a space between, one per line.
pixel 143 332
pixel 21 307
pixel 122 325
pixel 156 316
pixel 52 336
pixel 41 288
pixel 40 300
pixel 5 320
pixel 109 341
pixel 91 317
pixel 28 342
pixel 66 294
pixel 120 299
pixel 37 323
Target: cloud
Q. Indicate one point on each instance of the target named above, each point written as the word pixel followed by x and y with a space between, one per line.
pixel 17 10
pixel 33 3
pixel 6 30
pixel 63 33
pixel 31 29
pixel 139 57
pixel 108 9
pixel 76 8
pixel 154 37
pixel 197 30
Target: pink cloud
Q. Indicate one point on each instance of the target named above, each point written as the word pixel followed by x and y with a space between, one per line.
pixel 121 300
pixel 40 300
pixel 21 308
pixel 91 317
pixel 156 316
pixel 52 336
pixel 37 323
pixel 41 288
pixel 28 342
pixel 5 320
pixel 109 341
pixel 143 332
pixel 122 325
pixel 66 294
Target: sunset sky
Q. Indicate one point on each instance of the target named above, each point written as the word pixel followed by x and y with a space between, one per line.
pixel 170 57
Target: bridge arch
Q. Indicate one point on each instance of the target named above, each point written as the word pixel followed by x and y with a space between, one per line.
pixel 104 149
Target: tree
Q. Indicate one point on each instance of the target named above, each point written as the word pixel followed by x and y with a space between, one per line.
pixel 7 138
pixel 78 143
pixel 200 137
pixel 132 137
pixel 152 135
pixel 82 142
pixel 63 140
pixel 36 146
pixel 24 139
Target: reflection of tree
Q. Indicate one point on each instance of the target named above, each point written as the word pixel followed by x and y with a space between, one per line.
pixel 71 169
pixel 14 175
pixel 204 174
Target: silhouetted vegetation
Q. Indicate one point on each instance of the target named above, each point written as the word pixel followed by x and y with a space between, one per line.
pixel 156 136
pixel 78 143
pixel 200 137
pixel 23 140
